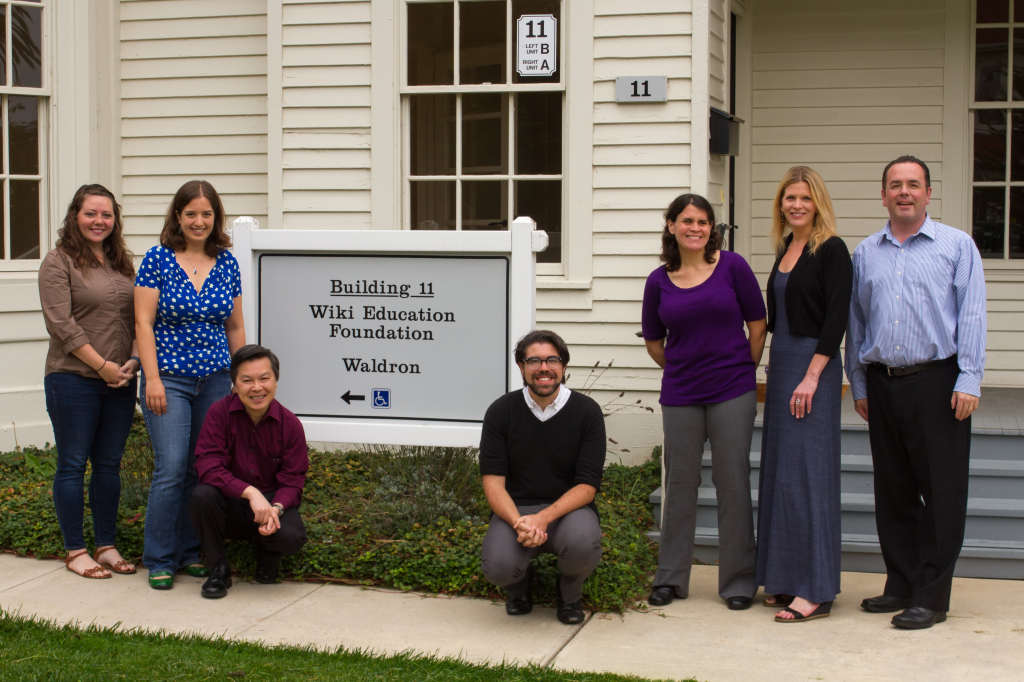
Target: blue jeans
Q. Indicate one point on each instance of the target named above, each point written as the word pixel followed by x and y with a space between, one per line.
pixel 170 542
pixel 91 422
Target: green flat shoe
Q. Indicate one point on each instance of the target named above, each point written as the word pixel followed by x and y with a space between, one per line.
pixel 197 570
pixel 161 580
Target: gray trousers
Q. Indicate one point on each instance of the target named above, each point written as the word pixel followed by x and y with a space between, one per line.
pixel 575 539
pixel 729 426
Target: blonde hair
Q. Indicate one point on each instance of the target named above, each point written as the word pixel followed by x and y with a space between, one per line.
pixel 824 226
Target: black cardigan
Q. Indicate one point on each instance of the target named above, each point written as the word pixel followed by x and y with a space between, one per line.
pixel 817 295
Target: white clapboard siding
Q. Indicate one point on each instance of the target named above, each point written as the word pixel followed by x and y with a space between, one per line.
pixel 326 115
pixel 193 106
pixel 23 344
pixel 641 161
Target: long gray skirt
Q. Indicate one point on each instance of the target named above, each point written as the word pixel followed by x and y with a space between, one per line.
pixel 799 537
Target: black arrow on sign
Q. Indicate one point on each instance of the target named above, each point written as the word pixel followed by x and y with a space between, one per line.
pixel 348 397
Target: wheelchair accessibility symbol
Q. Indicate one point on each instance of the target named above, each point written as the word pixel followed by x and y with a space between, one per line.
pixel 381 398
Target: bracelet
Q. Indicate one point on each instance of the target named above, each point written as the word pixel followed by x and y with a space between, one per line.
pixel 136 359
pixel 102 365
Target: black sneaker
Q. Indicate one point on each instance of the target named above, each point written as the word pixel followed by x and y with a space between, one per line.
pixel 216 586
pixel 570 613
pixel 521 607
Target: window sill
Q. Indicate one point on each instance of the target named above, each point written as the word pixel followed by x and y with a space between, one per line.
pixel 560 283
pixel 20 266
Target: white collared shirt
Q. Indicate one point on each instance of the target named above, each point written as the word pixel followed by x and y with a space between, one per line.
pixel 546 413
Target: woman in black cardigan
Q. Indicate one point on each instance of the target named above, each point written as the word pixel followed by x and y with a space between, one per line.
pixel 799 533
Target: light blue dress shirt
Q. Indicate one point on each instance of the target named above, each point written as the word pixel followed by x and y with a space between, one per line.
pixel 915 302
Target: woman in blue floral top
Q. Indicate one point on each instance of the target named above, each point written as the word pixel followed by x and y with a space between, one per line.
pixel 188 320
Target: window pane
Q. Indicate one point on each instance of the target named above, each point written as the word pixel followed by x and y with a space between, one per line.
pixel 432 134
pixel 521 7
pixel 23 116
pixel 431 43
pixel 482 50
pixel 990 64
pixel 990 144
pixel 1018 11
pixel 24 219
pixel 433 205
pixel 1017 150
pixel 1017 222
pixel 3 254
pixel 27 41
pixel 994 11
pixel 988 215
pixel 539 133
pixel 484 134
pixel 1018 63
pixel 485 205
pixel 542 201
pixel 3 46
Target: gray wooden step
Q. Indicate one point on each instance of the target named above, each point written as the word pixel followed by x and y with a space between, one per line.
pixel 994 542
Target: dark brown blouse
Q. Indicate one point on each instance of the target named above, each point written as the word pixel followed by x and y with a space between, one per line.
pixel 94 306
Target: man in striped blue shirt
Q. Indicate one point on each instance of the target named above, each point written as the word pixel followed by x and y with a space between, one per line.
pixel 915 355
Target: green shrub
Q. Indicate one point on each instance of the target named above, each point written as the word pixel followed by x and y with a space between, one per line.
pixel 406 518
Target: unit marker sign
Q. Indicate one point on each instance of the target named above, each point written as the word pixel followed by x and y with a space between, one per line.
pixel 396 337
pixel 535 41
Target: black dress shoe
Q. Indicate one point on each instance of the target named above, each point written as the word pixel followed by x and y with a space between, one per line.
pixel 918 618
pixel 523 606
pixel 662 595
pixel 885 604
pixel 738 603
pixel 216 586
pixel 570 613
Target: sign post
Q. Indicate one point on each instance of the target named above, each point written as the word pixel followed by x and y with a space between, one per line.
pixel 392 337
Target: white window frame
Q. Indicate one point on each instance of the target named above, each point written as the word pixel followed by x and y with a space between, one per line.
pixel 388 73
pixel 45 98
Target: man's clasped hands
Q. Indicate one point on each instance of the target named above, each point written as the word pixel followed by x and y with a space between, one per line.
pixel 531 531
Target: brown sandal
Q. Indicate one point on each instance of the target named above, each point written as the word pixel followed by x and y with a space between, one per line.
pixel 123 567
pixel 93 573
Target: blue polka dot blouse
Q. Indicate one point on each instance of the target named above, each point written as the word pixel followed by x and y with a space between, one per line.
pixel 189 328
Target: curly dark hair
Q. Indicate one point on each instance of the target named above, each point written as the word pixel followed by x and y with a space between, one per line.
pixel 71 242
pixel 670 247
pixel 542 336
pixel 171 236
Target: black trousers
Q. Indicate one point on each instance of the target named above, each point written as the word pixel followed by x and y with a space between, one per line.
pixel 921 456
pixel 216 518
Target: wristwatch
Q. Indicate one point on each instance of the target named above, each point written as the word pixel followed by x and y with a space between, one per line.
pixel 280 508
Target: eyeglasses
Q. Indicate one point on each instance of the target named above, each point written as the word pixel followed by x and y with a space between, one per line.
pixel 690 221
pixel 554 362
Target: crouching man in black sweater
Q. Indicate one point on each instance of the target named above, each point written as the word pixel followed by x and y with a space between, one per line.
pixel 541 457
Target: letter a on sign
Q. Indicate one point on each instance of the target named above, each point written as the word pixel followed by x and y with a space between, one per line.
pixel 535 45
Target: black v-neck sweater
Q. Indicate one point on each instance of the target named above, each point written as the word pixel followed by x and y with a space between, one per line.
pixel 541 461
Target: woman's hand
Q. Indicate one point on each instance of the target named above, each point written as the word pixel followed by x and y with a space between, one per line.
pixel 800 403
pixel 128 371
pixel 156 397
pixel 113 375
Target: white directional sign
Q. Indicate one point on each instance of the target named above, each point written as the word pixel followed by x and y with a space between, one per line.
pixel 535 45
pixel 390 336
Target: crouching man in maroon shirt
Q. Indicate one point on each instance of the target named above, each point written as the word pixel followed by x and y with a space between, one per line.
pixel 252 460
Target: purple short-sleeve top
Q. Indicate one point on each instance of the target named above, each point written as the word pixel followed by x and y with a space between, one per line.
pixel 707 354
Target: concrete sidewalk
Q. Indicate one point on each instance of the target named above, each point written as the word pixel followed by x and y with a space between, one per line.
pixel 982 640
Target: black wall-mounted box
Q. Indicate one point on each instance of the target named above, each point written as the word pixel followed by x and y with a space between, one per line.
pixel 725 133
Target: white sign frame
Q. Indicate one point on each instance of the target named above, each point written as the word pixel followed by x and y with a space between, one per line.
pixel 551 41
pixel 520 244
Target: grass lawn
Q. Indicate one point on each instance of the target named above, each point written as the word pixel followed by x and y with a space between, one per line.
pixel 35 650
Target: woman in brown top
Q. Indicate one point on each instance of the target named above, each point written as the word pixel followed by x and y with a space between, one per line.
pixel 86 288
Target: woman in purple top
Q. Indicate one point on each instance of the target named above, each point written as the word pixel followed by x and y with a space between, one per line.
pixel 699 301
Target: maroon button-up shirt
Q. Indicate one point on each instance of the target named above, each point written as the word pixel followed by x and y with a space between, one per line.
pixel 232 453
